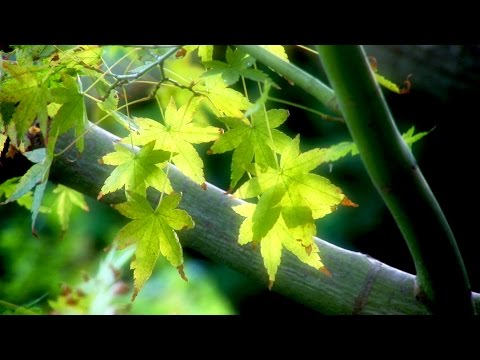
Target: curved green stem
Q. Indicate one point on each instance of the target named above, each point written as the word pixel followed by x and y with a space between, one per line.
pixel 441 275
pixel 304 80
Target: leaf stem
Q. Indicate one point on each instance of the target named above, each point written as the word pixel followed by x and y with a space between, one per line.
pixel 322 115
pixel 264 108
pixel 171 153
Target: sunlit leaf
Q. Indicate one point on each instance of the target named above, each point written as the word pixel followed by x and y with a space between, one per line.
pixel 252 139
pixel 154 233
pixel 136 172
pixel 65 200
pixel 177 135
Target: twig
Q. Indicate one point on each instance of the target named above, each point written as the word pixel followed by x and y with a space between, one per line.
pixel 127 78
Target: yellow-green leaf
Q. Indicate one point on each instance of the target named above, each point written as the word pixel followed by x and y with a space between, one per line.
pixel 153 232
pixel 292 185
pixel 278 237
pixel 252 139
pixel 222 100
pixel 340 150
pixel 72 113
pixel 136 172
pixel 277 50
pixel 177 135
pixel 64 202
pixel 25 86
pixel 205 52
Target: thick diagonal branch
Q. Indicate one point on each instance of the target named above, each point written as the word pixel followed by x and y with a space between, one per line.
pixel 294 74
pixel 359 284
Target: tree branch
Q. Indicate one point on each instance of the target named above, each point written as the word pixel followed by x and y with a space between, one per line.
pixel 441 274
pixel 359 284
pixel 304 80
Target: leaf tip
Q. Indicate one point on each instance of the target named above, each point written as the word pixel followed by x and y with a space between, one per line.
pixel 407 85
pixel 100 161
pixel 181 271
pixel 210 152
pixel 204 186
pixel 100 195
pixel 34 233
pixel 325 271
pixel 135 293
pixel 270 285
pixel 347 202
pixel 180 53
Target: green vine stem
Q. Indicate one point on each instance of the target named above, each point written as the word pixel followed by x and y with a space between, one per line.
pixel 359 284
pixel 304 80
pixel 442 279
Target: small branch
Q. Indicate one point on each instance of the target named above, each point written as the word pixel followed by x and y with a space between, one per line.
pixel 441 274
pixel 352 287
pixel 127 78
pixel 304 80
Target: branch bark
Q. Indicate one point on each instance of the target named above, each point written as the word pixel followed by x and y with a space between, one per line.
pixel 441 274
pixel 359 284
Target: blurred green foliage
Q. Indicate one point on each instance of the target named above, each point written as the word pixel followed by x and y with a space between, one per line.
pixel 34 273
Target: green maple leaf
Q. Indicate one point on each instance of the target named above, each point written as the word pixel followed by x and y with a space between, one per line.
pixel 292 192
pixel 72 112
pixel 136 172
pixel 238 64
pixel 410 138
pixel 8 187
pixel 222 100
pixel 25 86
pixel 82 59
pixel 204 51
pixel 36 177
pixel 340 150
pixel 277 50
pixel 278 237
pixel 251 139
pixel 154 233
pixel 3 134
pixel 177 136
pixel 64 202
